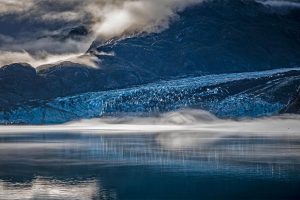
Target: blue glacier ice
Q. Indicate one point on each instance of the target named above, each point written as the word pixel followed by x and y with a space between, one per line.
pixel 235 95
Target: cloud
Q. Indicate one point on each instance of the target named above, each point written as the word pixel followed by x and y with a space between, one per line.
pixel 108 18
pixel 44 58
pixel 51 45
pixel 194 121
pixel 12 6
pixel 35 26
pixel 128 17
pixel 280 3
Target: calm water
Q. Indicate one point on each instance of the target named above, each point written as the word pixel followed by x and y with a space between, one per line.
pixel 169 165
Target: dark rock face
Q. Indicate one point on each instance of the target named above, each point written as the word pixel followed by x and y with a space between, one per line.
pixel 17 82
pixel 69 78
pixel 65 79
pixel 294 104
pixel 78 31
pixel 21 83
pixel 215 37
pixel 17 70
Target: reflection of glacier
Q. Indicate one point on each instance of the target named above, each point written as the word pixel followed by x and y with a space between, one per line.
pixel 226 95
pixel 195 152
pixel 268 155
pixel 95 166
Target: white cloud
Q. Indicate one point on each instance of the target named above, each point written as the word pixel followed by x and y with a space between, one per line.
pixel 12 6
pixel 280 3
pixel 7 57
pixel 106 18
pixel 120 17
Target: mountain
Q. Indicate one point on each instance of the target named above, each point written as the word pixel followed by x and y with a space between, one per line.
pixel 217 38
pixel 221 36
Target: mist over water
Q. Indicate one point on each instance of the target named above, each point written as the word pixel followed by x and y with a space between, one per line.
pixel 178 148
pixel 200 123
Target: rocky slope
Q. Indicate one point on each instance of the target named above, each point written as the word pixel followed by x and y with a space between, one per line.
pixel 293 106
pixel 221 36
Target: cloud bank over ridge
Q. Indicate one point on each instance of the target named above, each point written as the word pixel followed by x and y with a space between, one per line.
pixel 45 28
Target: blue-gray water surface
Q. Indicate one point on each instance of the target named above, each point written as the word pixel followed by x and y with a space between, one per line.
pixel 153 165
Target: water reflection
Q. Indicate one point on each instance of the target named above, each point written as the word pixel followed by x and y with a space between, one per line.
pixel 107 166
pixel 161 149
pixel 49 188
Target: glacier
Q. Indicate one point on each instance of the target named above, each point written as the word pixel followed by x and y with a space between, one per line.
pixel 234 95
